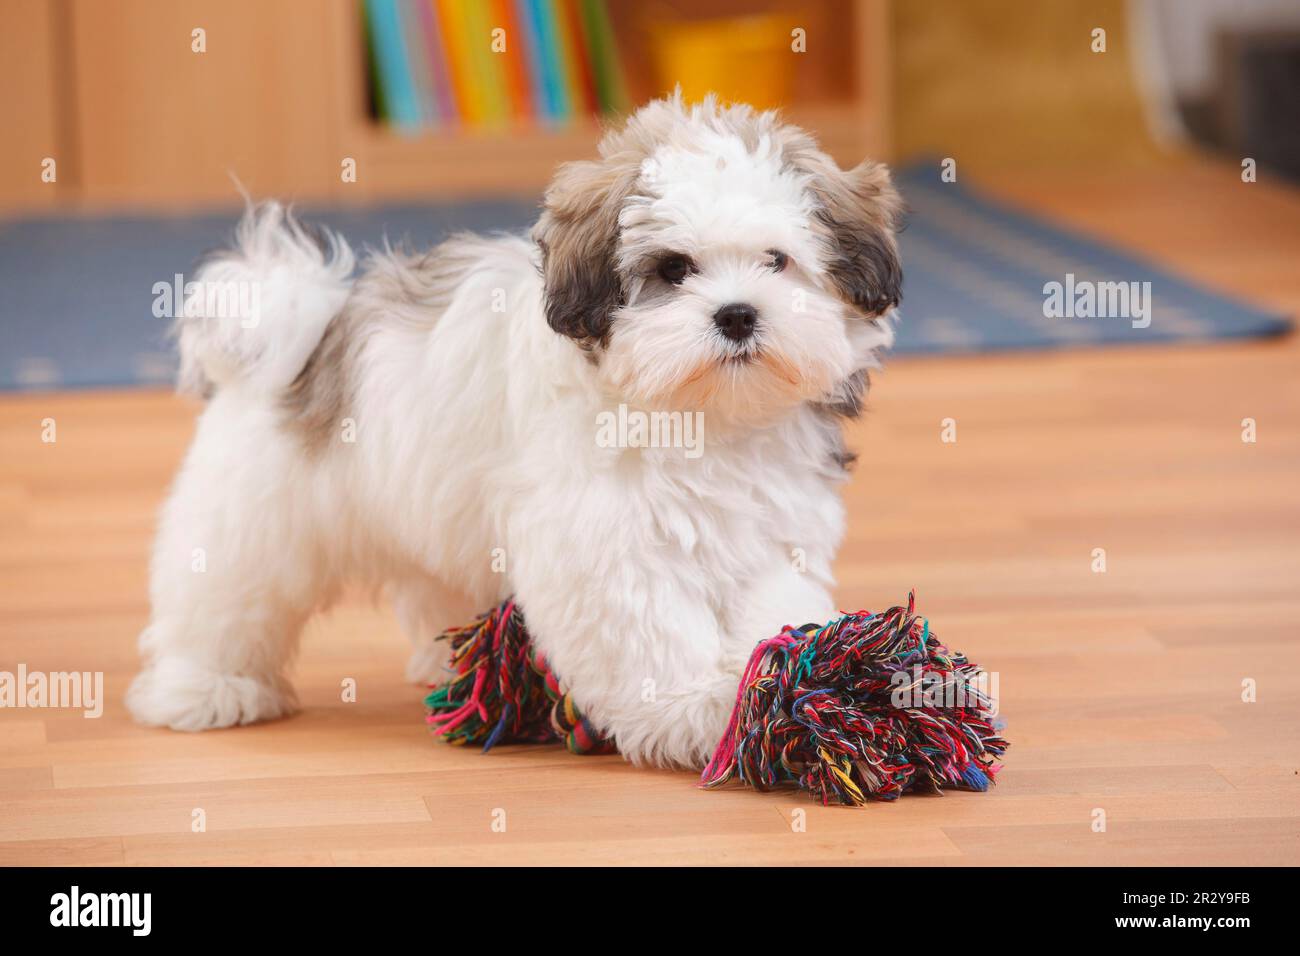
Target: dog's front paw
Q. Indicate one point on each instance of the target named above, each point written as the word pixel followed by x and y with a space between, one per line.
pixel 679 729
pixel 184 696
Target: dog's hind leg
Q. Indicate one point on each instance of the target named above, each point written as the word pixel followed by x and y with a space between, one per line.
pixel 233 578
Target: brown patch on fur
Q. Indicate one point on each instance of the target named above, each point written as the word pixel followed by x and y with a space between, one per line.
pixel 842 458
pixel 860 213
pixel 396 286
pixel 702 369
pixel 314 402
pixel 782 370
pixel 578 236
pixel 850 397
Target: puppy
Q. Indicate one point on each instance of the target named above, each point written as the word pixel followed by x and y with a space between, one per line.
pixel 432 425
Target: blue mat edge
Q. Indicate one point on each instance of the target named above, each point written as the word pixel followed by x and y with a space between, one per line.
pixel 1271 323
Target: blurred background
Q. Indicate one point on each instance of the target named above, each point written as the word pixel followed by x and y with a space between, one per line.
pixel 141 111
pixel 131 127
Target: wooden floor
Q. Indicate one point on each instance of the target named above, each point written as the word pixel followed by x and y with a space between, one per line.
pixel 1122 690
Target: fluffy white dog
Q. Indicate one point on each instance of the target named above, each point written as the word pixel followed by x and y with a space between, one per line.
pixel 433 425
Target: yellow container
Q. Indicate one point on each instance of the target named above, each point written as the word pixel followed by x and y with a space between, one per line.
pixel 742 58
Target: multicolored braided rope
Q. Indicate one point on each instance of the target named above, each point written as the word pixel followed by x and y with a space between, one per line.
pixel 868 706
pixel 503 691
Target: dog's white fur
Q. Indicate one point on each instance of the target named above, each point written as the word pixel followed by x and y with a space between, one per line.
pixel 647 575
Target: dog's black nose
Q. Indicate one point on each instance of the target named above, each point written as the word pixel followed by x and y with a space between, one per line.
pixel 736 320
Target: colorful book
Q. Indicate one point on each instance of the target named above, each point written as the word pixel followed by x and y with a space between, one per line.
pixel 530 47
pixel 610 87
pixel 531 53
pixel 456 31
pixel 548 40
pixel 417 58
pixel 514 62
pixel 400 103
pixel 439 69
pixel 372 62
pixel 579 55
pixel 566 54
pixel 487 65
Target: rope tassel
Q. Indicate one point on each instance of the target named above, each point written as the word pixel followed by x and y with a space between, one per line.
pixel 503 692
pixel 867 706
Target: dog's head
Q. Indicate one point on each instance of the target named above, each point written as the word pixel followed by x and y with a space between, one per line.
pixel 713 256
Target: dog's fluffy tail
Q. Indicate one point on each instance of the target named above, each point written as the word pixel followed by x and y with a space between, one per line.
pixel 255 312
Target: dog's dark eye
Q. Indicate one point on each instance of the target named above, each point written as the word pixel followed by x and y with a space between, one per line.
pixel 674 269
pixel 779 260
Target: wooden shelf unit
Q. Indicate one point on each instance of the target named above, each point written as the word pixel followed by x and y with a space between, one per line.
pixel 845 102
pixel 278 101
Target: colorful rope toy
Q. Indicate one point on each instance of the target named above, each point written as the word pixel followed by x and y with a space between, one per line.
pixel 503 692
pixel 866 706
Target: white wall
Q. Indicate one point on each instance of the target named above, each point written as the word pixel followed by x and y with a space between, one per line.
pixel 1185 31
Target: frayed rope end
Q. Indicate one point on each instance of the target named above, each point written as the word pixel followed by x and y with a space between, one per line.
pixel 868 706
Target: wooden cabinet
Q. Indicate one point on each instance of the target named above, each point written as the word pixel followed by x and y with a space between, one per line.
pixel 135 115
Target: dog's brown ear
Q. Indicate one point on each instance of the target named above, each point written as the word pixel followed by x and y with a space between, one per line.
pixel 578 236
pixel 861 212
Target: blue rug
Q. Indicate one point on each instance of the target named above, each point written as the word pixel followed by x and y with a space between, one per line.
pixel 976 274
pixel 76 309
